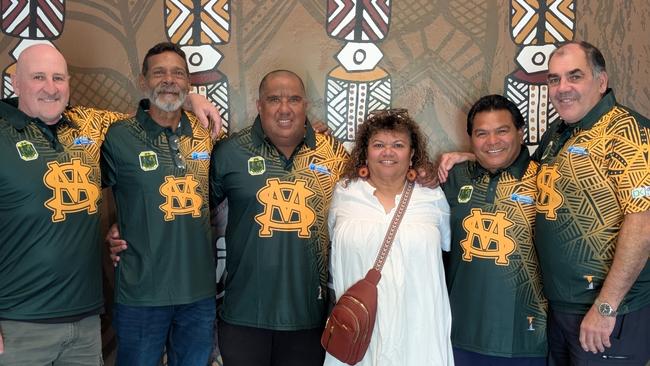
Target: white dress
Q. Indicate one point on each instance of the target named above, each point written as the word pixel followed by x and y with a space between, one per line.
pixel 413 323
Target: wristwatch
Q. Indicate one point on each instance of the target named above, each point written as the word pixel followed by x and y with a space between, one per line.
pixel 605 309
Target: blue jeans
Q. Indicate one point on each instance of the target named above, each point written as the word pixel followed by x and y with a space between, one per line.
pixel 186 330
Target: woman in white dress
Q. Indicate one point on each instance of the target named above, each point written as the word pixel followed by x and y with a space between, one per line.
pixel 413 316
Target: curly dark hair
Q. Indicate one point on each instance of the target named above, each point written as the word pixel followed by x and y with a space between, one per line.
pixel 394 120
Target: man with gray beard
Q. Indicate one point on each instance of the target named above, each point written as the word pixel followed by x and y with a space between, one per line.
pixel 157 164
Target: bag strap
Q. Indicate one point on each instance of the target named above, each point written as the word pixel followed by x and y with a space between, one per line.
pixel 394 225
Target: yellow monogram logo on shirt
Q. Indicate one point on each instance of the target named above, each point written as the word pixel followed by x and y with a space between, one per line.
pixel 549 198
pixel 486 237
pixel 285 207
pixel 73 191
pixel 180 197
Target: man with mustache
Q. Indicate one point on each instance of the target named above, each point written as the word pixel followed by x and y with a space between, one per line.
pixel 593 206
pixel 50 267
pixel 157 164
pixel 593 209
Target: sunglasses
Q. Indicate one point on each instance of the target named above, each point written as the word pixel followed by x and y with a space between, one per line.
pixel 174 144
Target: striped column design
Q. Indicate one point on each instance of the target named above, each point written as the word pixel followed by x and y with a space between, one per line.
pixel 357 85
pixel 536 26
pixel 198 26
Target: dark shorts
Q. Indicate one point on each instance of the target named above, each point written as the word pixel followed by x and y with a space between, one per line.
pixel 630 340
pixel 467 358
pixel 247 346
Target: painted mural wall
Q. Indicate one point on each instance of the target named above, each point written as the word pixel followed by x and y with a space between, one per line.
pixel 433 57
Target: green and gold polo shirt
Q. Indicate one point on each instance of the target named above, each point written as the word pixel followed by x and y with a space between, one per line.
pixel 162 210
pixel 276 238
pixel 592 173
pixel 493 274
pixel 50 193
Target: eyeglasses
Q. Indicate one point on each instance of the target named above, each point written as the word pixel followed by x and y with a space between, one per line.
pixel 179 160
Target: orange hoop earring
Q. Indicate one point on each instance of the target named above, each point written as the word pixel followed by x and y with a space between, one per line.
pixel 411 175
pixel 363 171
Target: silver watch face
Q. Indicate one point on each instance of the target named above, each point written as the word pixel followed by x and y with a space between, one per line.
pixel 605 309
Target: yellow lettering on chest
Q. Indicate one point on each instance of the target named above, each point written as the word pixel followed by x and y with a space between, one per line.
pixel 285 207
pixel 180 197
pixel 549 198
pixel 72 188
pixel 486 237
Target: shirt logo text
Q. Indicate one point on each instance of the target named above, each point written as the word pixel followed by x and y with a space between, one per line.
pixel 180 197
pixel 486 237
pixel 549 198
pixel 285 207
pixel 73 190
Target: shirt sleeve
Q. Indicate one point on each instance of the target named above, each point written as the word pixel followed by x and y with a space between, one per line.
pixel 217 193
pixel 100 119
pixel 334 267
pixel 443 223
pixel 108 164
pixel 629 167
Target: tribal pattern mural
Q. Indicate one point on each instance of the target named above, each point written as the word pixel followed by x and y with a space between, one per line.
pixel 30 21
pixel 433 57
pixel 33 19
pixel 536 27
pixel 357 86
pixel 198 26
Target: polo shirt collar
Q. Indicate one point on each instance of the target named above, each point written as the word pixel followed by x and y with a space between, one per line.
pixel 153 129
pixel 516 169
pixel 17 118
pixel 260 138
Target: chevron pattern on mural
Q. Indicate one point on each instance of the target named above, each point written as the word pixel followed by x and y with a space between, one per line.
pixel 542 21
pixel 34 19
pixel 195 22
pixel 358 20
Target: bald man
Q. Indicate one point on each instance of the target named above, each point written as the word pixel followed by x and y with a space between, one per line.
pixel 50 192
pixel 278 177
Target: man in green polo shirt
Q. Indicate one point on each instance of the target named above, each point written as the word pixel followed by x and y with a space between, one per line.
pixel 50 271
pixel 278 177
pixel 593 206
pixel 593 210
pixel 157 164
pixel 498 310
